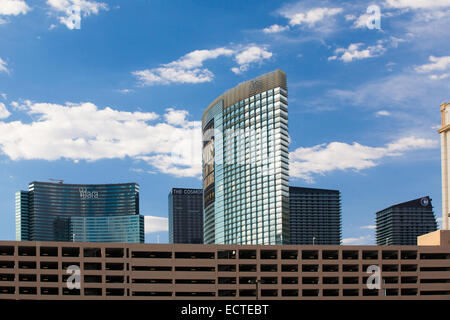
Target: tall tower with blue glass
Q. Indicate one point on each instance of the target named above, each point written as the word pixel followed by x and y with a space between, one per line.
pixel 75 212
pixel 246 164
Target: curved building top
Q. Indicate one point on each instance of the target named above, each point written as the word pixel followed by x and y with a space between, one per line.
pixel 250 88
pixel 83 185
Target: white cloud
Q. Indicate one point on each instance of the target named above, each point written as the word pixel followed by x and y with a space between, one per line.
pixel 13 7
pixel 394 41
pixel 84 132
pixel 382 113
pixel 439 77
pixel 166 75
pixel 417 4
pixel 4 96
pixel 156 224
pixel 4 113
pixel 362 240
pixel 398 91
pixel 327 157
pixel 187 69
pixel 86 8
pixel 275 28
pixel 139 170
pixel 176 117
pixel 353 52
pixel 310 17
pixel 436 64
pixel 3 66
pixel 350 17
pixel 196 58
pixel 361 22
pixel 371 227
pixel 252 54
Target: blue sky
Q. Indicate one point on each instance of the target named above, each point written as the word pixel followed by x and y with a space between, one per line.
pixel 119 96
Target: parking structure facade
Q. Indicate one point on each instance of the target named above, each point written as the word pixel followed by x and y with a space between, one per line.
pixel 38 270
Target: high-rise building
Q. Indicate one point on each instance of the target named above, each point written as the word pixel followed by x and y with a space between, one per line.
pixel 315 216
pixel 186 215
pixel 402 223
pixel 246 164
pixel 445 164
pixel 75 212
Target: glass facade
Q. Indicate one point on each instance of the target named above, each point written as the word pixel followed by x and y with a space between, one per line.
pixel 128 228
pixel 73 212
pixel 22 216
pixel 402 223
pixel 246 164
pixel 315 216
pixel 186 215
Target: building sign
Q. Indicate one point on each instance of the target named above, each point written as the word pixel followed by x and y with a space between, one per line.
pixel 424 202
pixel 187 191
pixel 85 194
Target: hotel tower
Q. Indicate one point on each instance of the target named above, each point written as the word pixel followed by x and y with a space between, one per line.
pixel 445 157
pixel 246 164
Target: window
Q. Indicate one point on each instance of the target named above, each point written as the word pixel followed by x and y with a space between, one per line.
pixel 6 251
pixel 194 255
pixel 92 291
pixel 227 268
pixel 247 267
pixel 390 255
pixel 268 254
pixel 151 254
pixel 49 265
pixel 92 279
pixel 330 268
pixel 227 280
pixel 310 254
pixel 27 251
pixel 49 291
pixel 92 252
pixel 27 265
pixel 114 252
pixel 370 255
pixel 49 251
pixel 115 291
pixel 269 268
pixel 226 254
pixel 247 254
pixel 114 266
pixel 330 254
pixel 70 252
pixel 27 277
pixel 350 268
pixel 92 266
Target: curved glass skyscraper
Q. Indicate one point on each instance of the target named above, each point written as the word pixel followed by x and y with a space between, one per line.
pixel 246 164
pixel 75 212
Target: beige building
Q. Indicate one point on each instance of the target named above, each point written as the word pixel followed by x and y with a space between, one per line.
pixel 445 158
pixel 38 270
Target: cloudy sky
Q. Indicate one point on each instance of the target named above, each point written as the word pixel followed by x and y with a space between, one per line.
pixel 114 91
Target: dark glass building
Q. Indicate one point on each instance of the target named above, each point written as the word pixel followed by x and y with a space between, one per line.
pixel 402 223
pixel 315 216
pixel 186 215
pixel 75 212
